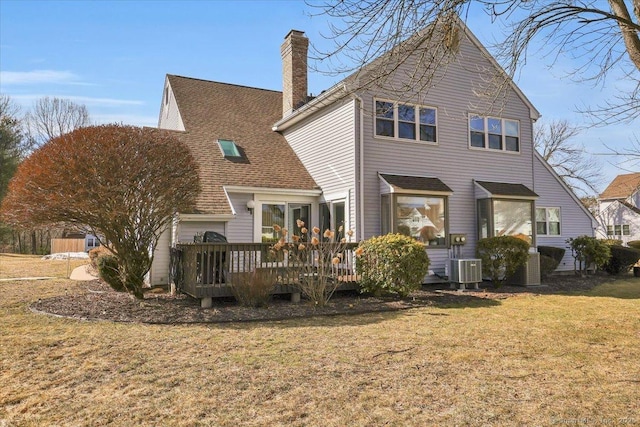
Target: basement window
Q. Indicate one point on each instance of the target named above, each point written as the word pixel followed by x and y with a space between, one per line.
pixel 228 148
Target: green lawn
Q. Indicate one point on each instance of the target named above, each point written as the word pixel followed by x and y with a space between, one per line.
pixel 528 360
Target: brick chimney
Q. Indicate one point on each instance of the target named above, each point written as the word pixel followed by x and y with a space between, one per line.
pixel 294 71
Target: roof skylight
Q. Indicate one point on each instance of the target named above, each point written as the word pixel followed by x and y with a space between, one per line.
pixel 229 148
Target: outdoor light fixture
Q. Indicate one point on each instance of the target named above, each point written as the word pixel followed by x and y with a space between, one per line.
pixel 250 205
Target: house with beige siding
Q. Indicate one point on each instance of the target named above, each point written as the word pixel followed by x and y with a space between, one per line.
pixel 432 163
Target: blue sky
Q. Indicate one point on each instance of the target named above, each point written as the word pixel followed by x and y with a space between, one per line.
pixel 113 57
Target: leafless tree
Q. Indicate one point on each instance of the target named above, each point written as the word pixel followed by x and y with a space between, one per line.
pixel 600 37
pixel 630 156
pixel 578 169
pixel 52 117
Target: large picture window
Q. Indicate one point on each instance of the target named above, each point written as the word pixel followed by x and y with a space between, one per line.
pixel 494 133
pixel 422 217
pixel 548 221
pixel 405 121
pixel 497 217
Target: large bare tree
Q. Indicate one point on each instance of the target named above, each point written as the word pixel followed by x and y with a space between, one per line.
pixel 600 36
pixel 555 141
pixel 52 117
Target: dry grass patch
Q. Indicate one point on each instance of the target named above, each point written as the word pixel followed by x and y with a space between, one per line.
pixel 16 266
pixel 532 360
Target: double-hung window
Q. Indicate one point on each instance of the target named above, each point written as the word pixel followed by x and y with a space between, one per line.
pixel 618 230
pixel 494 133
pixel 405 121
pixel 548 221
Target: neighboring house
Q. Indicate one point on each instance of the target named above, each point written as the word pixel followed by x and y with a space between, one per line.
pixel 428 165
pixel 619 209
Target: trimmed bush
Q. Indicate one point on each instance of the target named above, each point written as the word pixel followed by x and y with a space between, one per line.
pixel 621 260
pixel 501 256
pixel 552 252
pixel 587 250
pixel 547 265
pixel 612 242
pixel 391 264
pixel 634 244
pixel 109 272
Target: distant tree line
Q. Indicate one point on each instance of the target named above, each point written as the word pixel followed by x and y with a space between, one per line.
pixel 20 135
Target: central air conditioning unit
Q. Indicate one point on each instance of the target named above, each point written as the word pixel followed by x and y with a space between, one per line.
pixel 465 271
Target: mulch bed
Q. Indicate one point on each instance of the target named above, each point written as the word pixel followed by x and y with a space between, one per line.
pixel 97 301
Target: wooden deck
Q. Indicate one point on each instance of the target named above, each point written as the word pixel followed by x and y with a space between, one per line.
pixel 202 270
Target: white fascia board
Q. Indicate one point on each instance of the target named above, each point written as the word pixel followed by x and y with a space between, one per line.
pixel 233 209
pixel 205 217
pixel 564 185
pixel 264 190
pixel 328 97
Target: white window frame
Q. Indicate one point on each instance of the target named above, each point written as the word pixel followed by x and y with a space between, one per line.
pixel 392 221
pixel 503 131
pixel 235 152
pixel 396 121
pixel 547 222
pixel 618 230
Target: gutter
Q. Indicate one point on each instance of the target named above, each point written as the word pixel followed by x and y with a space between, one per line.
pixel 329 96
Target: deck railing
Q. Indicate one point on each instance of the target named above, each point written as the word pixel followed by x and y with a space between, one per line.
pixel 206 269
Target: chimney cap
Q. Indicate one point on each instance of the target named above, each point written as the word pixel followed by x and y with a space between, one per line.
pixel 294 33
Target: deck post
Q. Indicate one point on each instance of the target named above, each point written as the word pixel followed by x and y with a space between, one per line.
pixel 295 297
pixel 206 302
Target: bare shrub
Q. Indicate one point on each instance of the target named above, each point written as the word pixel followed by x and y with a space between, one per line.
pixel 253 288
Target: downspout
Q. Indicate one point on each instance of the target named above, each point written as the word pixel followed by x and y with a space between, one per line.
pixel 534 233
pixel 360 230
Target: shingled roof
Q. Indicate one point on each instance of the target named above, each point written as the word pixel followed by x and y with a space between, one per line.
pixel 622 186
pixel 245 115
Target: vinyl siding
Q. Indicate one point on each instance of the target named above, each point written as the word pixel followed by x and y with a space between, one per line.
pixel 325 143
pixel 451 160
pixel 574 221
pixel 188 229
pixel 169 114
pixel 159 273
pixel 618 214
pixel 240 229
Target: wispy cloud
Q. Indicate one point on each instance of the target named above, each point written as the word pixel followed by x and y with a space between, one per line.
pixel 40 77
pixel 87 100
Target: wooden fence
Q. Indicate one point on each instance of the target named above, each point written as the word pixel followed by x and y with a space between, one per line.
pixel 203 270
pixel 67 245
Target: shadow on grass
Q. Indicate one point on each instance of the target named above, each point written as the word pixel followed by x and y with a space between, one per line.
pixel 351 309
pixel 98 302
pixel 624 286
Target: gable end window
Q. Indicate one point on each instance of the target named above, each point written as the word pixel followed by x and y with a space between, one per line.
pixel 228 148
pixel 548 221
pixel 405 121
pixel 618 230
pixel 492 133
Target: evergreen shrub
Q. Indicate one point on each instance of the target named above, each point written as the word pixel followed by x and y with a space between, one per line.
pixel 391 264
pixel 501 256
pixel 621 260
